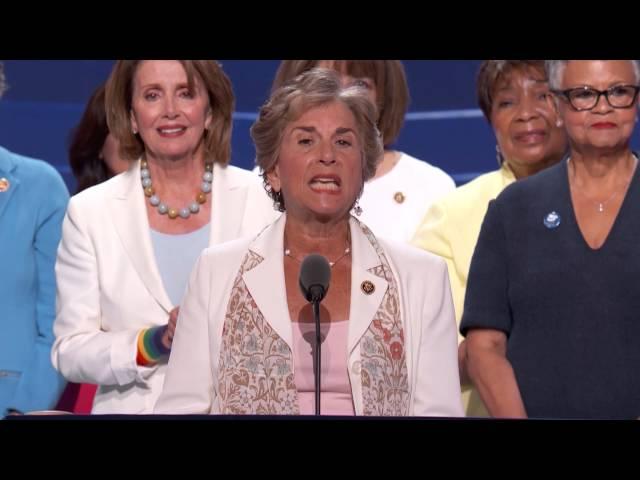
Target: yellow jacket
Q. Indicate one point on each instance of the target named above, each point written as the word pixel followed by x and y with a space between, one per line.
pixel 450 229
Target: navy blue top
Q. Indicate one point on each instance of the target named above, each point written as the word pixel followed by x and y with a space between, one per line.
pixel 571 313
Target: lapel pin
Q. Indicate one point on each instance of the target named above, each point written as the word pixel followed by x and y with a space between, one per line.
pixel 4 184
pixel 552 220
pixel 367 287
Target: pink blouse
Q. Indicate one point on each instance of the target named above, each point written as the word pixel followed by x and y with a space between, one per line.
pixel 335 398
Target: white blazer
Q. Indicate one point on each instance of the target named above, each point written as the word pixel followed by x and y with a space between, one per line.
pixel 110 288
pixel 191 384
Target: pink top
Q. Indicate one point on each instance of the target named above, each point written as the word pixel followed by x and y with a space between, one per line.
pixel 335 398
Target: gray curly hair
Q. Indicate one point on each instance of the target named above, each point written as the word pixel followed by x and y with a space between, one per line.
pixel 313 88
pixel 555 68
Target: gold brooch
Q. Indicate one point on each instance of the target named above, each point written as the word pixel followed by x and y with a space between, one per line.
pixel 367 287
pixel 4 184
pixel 399 197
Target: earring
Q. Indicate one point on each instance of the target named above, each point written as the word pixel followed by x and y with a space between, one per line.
pixel 278 201
pixel 357 209
pixel 559 122
pixel 134 130
pixel 499 156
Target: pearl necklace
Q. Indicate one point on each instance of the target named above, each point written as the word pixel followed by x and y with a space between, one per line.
pixel 347 251
pixel 163 208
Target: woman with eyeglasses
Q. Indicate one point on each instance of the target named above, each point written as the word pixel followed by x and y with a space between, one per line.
pixel 512 94
pixel 551 309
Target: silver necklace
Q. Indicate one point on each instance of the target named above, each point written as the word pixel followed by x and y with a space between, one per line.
pixel 601 204
pixel 163 208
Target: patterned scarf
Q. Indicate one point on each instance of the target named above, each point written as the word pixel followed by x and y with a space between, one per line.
pixel 255 368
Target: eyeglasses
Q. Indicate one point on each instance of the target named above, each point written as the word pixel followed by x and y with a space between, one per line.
pixel 586 98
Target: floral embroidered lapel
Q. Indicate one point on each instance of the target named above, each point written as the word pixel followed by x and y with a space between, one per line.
pixel 256 360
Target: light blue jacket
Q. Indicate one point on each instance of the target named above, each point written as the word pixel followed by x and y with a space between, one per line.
pixel 32 206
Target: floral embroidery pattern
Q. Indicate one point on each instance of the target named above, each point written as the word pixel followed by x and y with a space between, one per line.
pixel 255 363
pixel 255 368
pixel 385 381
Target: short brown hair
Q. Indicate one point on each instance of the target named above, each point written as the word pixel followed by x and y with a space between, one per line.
pixel 392 91
pixel 119 90
pixel 491 72
pixel 313 88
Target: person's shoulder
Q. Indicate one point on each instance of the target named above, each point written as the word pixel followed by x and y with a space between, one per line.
pixel 44 181
pixel 98 194
pixel 480 184
pixel 226 256
pixel 466 198
pixel 409 257
pixel 229 247
pixel 36 170
pixel 414 166
pixel 237 177
pixel 534 186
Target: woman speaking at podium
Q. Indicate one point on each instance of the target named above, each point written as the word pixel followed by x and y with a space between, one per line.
pixel 246 334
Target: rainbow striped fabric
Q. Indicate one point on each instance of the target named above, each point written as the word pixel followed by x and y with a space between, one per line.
pixel 150 347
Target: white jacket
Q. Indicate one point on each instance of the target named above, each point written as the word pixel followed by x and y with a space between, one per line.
pixel 110 288
pixel 430 339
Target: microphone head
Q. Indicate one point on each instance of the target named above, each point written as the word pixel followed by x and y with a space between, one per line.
pixel 315 275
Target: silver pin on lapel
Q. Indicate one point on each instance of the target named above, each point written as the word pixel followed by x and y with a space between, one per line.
pixel 552 220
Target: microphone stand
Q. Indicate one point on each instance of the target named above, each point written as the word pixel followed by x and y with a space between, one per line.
pixel 316 315
pixel 314 277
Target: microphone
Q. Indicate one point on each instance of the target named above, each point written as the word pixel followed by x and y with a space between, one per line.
pixel 315 274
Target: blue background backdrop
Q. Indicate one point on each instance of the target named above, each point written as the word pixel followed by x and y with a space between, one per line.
pixel 444 126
